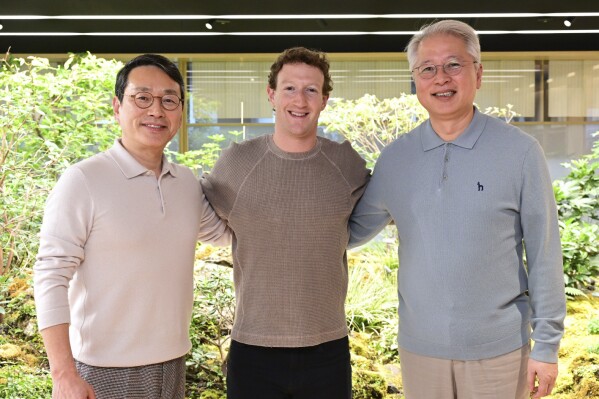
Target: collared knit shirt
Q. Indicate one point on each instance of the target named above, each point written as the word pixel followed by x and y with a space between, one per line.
pixel 463 210
pixel 116 258
pixel 289 214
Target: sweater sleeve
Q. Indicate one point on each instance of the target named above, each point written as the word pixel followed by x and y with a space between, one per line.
pixel 67 223
pixel 538 214
pixel 370 215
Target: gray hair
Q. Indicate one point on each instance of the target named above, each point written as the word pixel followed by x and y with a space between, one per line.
pixel 445 27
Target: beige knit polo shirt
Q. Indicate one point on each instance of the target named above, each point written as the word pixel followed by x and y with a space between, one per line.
pixel 116 257
pixel 289 213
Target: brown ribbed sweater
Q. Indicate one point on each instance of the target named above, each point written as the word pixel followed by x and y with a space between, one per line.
pixel 289 213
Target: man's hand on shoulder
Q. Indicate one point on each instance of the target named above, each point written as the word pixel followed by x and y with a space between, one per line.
pixel 541 378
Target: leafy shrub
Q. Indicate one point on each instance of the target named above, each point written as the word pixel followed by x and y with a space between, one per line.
pixel 371 298
pixel 203 160
pixel 22 382
pixel 212 320
pixel 580 244
pixel 369 123
pixel 577 197
pixel 371 304
pixel 50 116
pixel 594 326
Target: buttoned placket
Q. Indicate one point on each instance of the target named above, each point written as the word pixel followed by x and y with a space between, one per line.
pixel 444 168
pixel 158 181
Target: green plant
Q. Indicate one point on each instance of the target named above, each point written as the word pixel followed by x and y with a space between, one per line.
pixel 371 298
pixel 203 160
pixel 577 198
pixel 368 385
pixel 580 246
pixel 369 123
pixel 594 326
pixel 23 382
pixel 577 195
pixel 212 320
pixel 50 116
pixel 371 304
pixel 507 113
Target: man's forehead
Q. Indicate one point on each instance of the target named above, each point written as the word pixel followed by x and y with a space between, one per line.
pixel 139 88
pixel 297 71
pixel 141 79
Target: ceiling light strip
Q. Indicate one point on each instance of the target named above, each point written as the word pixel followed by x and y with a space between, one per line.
pixel 342 33
pixel 298 16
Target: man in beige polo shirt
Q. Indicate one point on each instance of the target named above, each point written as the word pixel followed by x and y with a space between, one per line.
pixel 114 276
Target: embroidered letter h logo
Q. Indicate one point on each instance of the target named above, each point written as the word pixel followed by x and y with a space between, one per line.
pixel 480 186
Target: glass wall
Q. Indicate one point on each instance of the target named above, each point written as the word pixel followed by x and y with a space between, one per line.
pixel 555 95
pixel 509 82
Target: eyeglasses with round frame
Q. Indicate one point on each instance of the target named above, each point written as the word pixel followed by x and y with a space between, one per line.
pixel 144 100
pixel 452 68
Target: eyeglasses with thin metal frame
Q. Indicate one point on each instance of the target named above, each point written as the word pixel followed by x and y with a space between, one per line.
pixel 144 100
pixel 452 68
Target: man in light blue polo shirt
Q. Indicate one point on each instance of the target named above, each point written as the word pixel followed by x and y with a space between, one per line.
pixel 468 192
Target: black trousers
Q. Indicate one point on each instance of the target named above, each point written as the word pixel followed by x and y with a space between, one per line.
pixel 316 372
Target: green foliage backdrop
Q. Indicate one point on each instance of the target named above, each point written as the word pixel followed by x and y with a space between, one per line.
pixel 50 116
pixel 54 115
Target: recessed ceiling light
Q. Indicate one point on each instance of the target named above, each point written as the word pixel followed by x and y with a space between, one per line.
pixel 568 22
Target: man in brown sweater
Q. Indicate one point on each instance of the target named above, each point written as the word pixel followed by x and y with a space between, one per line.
pixel 288 197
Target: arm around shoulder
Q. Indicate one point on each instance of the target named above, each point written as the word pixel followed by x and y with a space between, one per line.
pixel 213 229
pixel 370 215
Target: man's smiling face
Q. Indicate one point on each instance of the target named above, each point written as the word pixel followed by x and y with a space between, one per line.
pixel 446 97
pixel 148 129
pixel 298 100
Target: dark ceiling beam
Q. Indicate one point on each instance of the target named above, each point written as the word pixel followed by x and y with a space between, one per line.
pixel 275 42
pixel 76 7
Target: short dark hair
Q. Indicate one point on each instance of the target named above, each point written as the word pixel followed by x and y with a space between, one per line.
pixel 169 67
pixel 302 55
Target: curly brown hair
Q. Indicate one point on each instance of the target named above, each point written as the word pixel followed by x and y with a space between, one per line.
pixel 302 55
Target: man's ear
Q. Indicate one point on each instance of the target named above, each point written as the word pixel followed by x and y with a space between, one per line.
pixel 116 107
pixel 479 76
pixel 271 95
pixel 325 100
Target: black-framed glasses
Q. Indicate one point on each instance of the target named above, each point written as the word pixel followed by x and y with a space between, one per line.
pixel 144 100
pixel 452 68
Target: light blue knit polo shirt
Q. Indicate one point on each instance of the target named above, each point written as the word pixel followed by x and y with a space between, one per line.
pixel 462 211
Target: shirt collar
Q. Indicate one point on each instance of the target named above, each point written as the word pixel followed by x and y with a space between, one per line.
pixel 466 140
pixel 130 166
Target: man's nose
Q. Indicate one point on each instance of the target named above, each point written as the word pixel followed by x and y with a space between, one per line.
pixel 156 108
pixel 441 76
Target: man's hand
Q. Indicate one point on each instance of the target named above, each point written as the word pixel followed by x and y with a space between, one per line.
pixel 67 382
pixel 71 386
pixel 543 373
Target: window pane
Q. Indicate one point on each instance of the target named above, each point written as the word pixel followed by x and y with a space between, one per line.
pixel 573 89
pixel 562 143
pixel 508 82
pixel 384 79
pixel 228 91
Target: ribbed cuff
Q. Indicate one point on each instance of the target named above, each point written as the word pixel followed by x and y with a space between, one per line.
pixel 546 353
